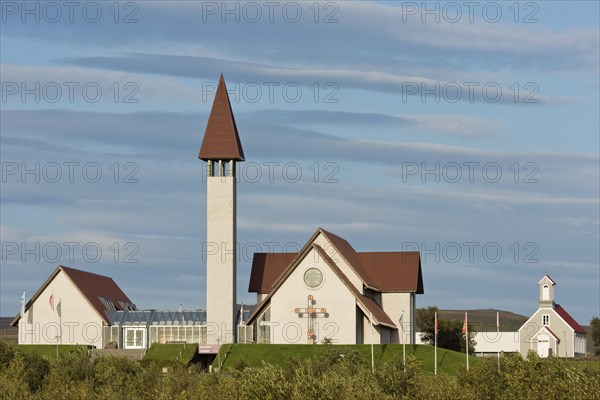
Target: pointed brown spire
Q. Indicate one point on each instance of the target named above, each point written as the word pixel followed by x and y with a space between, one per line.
pixel 221 140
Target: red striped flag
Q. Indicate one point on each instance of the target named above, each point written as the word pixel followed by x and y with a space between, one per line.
pixel 436 323
pixel 464 328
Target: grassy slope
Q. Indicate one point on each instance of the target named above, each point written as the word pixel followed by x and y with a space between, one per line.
pixel 253 354
pixel 163 352
pixel 49 350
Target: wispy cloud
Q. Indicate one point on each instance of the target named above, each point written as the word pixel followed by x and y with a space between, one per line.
pixel 368 79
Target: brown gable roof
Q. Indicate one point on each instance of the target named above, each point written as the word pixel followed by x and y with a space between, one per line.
pixel 384 271
pixel 366 304
pixel 266 269
pixel 221 140
pixel 393 271
pixel 349 254
pixel 91 287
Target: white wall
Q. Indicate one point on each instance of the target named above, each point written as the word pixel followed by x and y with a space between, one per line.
pixel 332 294
pixel 339 261
pixel 395 304
pixel 220 258
pixel 79 321
pixel 557 326
pixel 493 342
pixel 490 342
pixel 370 335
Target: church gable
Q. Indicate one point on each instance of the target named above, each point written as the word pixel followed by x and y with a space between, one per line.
pixel 313 300
pixel 99 292
pixel 315 254
pixel 343 255
pixel 391 271
pixel 59 313
pixel 544 317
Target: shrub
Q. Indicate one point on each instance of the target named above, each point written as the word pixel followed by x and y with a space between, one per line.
pixel 7 352
pixel 394 379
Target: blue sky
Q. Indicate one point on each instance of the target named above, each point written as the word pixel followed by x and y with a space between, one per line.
pixel 470 133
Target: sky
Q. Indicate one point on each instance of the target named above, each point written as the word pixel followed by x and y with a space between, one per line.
pixel 466 130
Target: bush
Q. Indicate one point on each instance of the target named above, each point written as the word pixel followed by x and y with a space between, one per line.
pixel 12 380
pixel 483 379
pixel 36 370
pixel 396 380
pixel 339 372
pixel 7 352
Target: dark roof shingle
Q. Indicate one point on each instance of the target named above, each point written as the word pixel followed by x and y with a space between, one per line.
pixel 221 140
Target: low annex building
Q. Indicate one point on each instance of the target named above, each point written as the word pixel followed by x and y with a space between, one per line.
pixel 70 308
pixel 79 307
pixel 330 291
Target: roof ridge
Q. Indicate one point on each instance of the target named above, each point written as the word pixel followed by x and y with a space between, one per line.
pixel 66 269
pixel 354 264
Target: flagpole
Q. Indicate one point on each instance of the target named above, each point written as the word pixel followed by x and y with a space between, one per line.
pixel 467 338
pixel 498 332
pixel 52 306
pixel 372 353
pixel 239 326
pixel 59 312
pixel 435 329
pixel 403 341
pixel 403 351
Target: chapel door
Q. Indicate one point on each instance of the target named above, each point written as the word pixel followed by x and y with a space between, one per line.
pixel 543 345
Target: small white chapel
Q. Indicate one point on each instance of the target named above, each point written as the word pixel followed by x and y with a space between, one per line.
pixel 551 330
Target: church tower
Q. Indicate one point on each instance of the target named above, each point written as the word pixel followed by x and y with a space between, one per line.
pixel 546 292
pixel 221 149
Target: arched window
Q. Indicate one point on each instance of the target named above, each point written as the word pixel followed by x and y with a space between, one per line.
pixel 545 292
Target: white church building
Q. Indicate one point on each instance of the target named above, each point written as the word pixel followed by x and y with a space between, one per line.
pixel 330 291
pixel 326 291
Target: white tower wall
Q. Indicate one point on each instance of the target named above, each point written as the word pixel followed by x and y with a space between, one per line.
pixel 221 258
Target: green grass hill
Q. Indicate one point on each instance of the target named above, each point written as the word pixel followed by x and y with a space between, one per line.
pixel 254 354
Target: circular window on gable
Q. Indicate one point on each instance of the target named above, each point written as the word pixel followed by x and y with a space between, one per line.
pixel 313 277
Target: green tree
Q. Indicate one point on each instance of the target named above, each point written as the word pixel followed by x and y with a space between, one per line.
pixel 595 323
pixel 425 320
pixel 449 331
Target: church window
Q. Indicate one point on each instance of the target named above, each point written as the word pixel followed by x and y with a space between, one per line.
pixel 313 277
pixel 107 303
pixel 545 292
pixel 545 320
pixel 264 326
